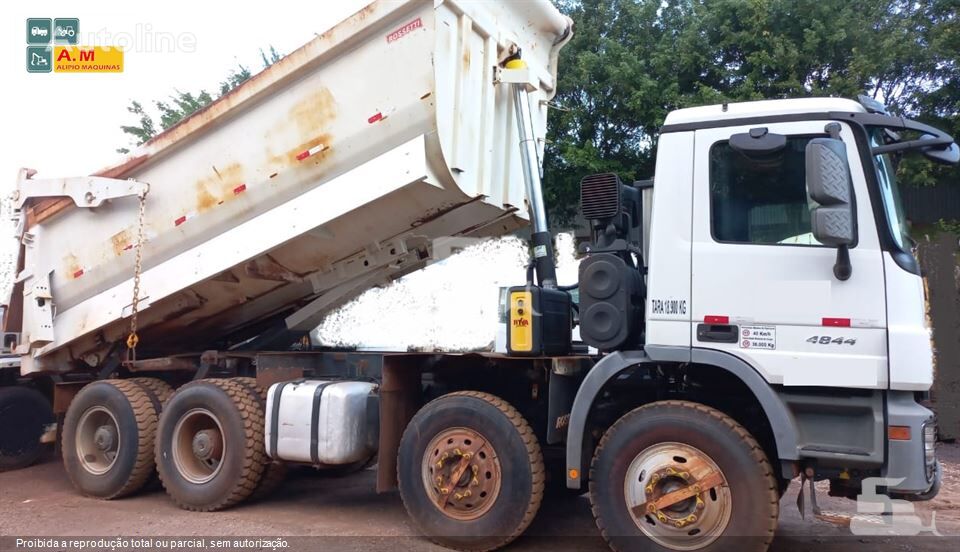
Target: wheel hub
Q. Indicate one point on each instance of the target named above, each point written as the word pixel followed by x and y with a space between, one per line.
pixel 104 437
pixel 677 496
pixel 207 444
pixel 198 446
pixel 461 473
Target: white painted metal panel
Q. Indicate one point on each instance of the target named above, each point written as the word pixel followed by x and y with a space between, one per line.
pixel 329 172
pixel 791 288
pixel 668 282
pixel 911 351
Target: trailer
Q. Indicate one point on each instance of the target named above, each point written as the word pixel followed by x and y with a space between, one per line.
pixel 751 315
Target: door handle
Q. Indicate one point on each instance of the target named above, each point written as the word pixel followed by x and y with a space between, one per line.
pixel 718 333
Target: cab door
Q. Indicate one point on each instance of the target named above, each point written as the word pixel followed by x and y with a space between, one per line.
pixel 763 288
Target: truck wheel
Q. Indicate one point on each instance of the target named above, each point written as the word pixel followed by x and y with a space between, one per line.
pixel 275 471
pixel 470 471
pixel 108 438
pixel 25 413
pixel 160 389
pixel 678 475
pixel 209 450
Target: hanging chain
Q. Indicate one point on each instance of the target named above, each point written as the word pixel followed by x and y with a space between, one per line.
pixel 133 339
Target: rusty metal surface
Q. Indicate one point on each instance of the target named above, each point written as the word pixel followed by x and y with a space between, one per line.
pixel 163 364
pixel 63 394
pixel 461 472
pixel 269 376
pixel 400 397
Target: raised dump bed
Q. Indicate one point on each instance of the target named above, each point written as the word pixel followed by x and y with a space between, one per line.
pixel 328 173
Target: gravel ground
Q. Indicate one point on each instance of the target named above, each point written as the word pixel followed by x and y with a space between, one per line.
pixel 312 512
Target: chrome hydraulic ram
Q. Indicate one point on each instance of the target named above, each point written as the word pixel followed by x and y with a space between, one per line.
pixel 517 74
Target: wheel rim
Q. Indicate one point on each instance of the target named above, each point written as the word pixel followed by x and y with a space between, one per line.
pixel 698 507
pixel 98 440
pixel 461 473
pixel 198 446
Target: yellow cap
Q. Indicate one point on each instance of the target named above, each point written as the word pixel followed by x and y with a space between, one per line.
pixel 516 64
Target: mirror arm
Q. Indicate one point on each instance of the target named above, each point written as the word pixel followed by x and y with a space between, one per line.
pixel 842 268
pixel 934 143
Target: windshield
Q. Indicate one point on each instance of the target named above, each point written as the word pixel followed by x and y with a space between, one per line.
pixel 890 192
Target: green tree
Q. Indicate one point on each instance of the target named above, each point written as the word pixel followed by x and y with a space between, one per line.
pixel 182 104
pixel 633 61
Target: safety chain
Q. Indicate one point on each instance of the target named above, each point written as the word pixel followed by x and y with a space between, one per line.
pixel 133 339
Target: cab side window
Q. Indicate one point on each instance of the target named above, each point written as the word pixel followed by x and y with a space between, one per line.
pixel 760 200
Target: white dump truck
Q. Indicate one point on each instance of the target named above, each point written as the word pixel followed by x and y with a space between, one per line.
pixel 751 315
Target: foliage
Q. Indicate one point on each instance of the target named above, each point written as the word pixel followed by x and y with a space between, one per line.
pixel 633 61
pixel 182 104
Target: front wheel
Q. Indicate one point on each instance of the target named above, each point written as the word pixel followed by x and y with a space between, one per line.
pixel 470 471
pixel 678 475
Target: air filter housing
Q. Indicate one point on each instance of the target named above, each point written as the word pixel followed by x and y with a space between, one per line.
pixel 600 196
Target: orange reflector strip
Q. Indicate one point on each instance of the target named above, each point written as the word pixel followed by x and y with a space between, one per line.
pixel 898 433
pixel 574 474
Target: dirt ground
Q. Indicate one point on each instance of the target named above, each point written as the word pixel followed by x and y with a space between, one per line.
pixel 311 512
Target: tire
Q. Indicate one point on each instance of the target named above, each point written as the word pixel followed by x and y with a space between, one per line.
pixel 160 389
pixel 275 471
pixel 160 392
pixel 511 471
pixel 122 417
pixel 741 513
pixel 25 413
pixel 230 417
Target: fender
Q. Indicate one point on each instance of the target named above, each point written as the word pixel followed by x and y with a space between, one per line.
pixel 609 367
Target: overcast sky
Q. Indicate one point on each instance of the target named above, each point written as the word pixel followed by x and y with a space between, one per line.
pixel 69 124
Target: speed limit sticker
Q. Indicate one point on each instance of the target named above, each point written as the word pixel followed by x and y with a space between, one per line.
pixel 758 337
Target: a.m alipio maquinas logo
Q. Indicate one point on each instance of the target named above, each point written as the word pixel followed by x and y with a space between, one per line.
pixel 52 46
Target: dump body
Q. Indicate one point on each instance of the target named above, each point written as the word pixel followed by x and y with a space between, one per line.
pixel 328 173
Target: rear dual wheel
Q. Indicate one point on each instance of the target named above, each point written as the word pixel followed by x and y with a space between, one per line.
pixel 209 450
pixel 24 416
pixel 108 437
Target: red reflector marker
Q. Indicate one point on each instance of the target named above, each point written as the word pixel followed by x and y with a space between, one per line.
pixel 836 322
pixel 715 319
pixel 240 189
pixel 180 220
pixel 376 117
pixel 78 273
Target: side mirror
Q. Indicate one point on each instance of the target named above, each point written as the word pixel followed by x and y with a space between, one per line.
pixel 949 155
pixel 829 184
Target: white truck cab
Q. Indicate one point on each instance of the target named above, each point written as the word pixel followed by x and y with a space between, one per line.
pixel 779 259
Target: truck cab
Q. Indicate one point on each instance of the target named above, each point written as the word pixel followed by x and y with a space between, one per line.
pixel 780 259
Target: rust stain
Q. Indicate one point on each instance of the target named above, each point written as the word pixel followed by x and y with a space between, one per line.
pixel 314 112
pixel 466 59
pixel 71 266
pixel 120 241
pixel 217 188
pixel 312 116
